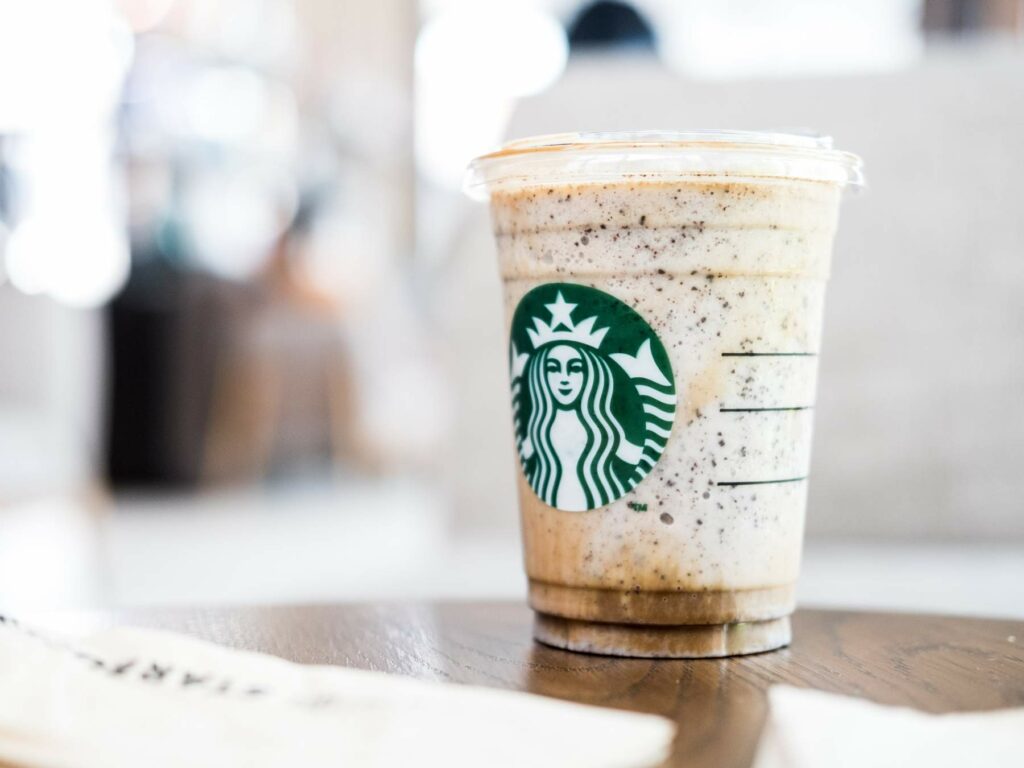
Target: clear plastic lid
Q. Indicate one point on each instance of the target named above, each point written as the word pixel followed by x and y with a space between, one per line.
pixel 581 158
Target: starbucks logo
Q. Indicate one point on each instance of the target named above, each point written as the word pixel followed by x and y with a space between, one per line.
pixel 593 397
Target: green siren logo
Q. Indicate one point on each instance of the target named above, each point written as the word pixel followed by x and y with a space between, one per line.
pixel 593 397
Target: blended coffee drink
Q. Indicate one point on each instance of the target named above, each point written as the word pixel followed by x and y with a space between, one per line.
pixel 664 298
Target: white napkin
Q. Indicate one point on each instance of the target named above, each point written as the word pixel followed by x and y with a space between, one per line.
pixel 130 697
pixel 812 729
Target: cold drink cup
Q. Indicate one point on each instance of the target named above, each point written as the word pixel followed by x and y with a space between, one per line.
pixel 663 298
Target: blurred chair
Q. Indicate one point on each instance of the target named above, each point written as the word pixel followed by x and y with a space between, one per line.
pixel 281 391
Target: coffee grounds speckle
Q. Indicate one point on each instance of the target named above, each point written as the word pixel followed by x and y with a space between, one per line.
pixel 708 279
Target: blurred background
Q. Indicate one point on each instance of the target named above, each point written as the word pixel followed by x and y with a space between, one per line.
pixel 251 339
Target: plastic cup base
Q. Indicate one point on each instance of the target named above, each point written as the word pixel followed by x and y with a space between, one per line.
pixel 696 641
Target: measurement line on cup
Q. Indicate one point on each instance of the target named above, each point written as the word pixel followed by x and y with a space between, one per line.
pixel 769 354
pixel 762 410
pixel 734 483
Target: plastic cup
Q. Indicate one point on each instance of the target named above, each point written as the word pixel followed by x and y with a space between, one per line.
pixel 664 296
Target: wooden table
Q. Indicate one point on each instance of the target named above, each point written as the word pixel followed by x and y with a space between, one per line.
pixel 938 664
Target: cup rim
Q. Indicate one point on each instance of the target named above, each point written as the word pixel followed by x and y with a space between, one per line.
pixel 661 155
